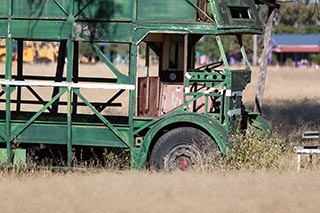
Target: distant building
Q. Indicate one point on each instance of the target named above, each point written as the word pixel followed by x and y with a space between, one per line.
pixel 295 49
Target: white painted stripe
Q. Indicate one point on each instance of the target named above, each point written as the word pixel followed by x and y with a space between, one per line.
pixel 188 76
pixel 230 93
pixel 187 90
pixel 69 85
pixel 307 150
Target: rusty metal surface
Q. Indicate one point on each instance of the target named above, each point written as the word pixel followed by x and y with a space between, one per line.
pixel 172 96
pixel 148 98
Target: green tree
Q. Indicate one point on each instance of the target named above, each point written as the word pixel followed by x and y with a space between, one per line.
pixel 208 45
pixel 316 58
pixel 285 29
pixel 297 18
pixel 313 29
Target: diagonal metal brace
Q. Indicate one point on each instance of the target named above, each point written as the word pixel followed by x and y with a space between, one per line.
pixel 199 10
pixel 101 117
pixel 35 116
pixel 121 78
pixel 3 136
pixel 61 8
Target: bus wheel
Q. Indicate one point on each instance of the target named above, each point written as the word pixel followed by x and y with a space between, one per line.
pixel 181 149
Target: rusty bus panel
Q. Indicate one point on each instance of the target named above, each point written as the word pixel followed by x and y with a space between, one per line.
pixel 172 96
pixel 148 104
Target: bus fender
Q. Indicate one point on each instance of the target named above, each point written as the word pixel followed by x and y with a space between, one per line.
pixel 210 125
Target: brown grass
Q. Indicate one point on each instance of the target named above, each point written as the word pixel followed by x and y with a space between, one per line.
pixel 292 99
pixel 291 104
pixel 286 83
pixel 150 192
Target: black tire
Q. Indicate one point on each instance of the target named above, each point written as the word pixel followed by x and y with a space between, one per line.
pixel 183 148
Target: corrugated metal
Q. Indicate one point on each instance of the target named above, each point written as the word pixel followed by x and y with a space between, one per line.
pixel 295 39
pixel 296 43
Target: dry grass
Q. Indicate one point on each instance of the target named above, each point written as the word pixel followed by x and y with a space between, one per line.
pixel 286 83
pixel 291 100
pixel 149 192
pixel 291 105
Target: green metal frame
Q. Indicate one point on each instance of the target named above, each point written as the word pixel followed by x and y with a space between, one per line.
pixel 126 22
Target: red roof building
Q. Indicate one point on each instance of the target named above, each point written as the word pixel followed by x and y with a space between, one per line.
pixel 296 47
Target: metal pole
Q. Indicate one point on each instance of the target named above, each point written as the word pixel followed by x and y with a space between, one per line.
pixel 69 107
pixel 185 54
pixel 75 76
pixel 8 76
pixel 147 60
pixel 255 50
pixel 70 61
pixel 132 95
pixel 298 161
pixel 59 72
pixel 19 72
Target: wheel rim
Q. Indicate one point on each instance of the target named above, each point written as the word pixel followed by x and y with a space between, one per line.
pixel 182 157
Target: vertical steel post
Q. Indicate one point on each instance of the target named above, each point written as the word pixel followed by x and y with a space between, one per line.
pixel 8 76
pixel 69 129
pixel 185 61
pixel 224 112
pixel 147 61
pixel 59 72
pixel 132 77
pixel 75 75
pixel 185 54
pixel 8 124
pixel 298 161
pixel 69 107
pixel 70 61
pixel 19 72
pixel 132 93
pixel 255 50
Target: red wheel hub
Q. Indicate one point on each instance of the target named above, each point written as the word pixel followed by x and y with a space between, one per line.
pixel 183 164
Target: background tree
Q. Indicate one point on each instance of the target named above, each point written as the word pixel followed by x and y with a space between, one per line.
pixel 298 18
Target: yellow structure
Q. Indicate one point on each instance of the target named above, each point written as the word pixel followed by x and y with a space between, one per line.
pixel 33 51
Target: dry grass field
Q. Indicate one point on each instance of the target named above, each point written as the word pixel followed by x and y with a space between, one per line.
pixel 149 192
pixel 291 104
pixel 291 100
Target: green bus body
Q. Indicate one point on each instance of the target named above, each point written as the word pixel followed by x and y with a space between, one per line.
pixel 165 26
